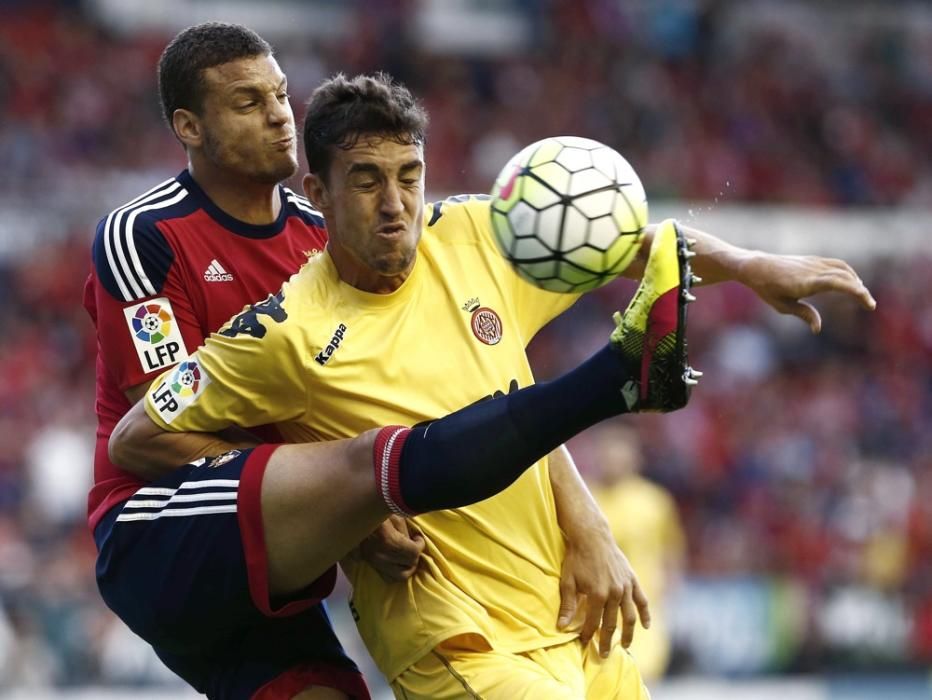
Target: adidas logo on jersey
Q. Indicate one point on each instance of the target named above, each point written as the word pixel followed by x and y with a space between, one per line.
pixel 216 273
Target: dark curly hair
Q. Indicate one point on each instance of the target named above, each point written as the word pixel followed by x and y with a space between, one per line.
pixel 343 109
pixel 182 64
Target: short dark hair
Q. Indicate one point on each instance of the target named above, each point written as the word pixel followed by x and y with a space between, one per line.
pixel 182 63
pixel 343 109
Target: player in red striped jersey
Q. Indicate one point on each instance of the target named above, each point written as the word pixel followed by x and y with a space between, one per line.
pixel 174 264
pixel 170 267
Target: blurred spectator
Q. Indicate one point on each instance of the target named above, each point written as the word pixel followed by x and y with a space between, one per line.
pixel 708 100
pixel 646 525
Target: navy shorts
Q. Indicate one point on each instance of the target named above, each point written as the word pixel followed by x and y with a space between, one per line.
pixel 183 563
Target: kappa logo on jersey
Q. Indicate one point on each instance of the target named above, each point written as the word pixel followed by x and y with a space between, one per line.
pixel 178 391
pixel 486 323
pixel 216 273
pixel 323 357
pixel 156 335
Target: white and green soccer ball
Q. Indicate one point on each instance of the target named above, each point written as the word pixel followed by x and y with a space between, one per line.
pixel 568 213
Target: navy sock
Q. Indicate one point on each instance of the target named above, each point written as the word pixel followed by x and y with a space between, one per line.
pixel 476 452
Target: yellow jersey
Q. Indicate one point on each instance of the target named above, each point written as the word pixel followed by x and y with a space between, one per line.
pixel 324 360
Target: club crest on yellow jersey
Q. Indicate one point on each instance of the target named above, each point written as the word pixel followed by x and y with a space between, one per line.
pixel 485 322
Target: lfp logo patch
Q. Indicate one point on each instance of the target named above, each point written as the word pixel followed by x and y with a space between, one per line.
pixel 179 389
pixel 187 379
pixel 156 334
pixel 152 323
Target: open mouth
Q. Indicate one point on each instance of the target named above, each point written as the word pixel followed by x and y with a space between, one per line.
pixel 391 230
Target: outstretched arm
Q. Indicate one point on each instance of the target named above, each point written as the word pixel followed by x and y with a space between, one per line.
pixel 782 281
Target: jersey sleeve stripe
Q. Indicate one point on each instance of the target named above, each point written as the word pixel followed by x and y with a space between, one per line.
pixel 291 194
pixel 118 212
pixel 131 244
pixel 121 242
pixel 121 272
pixel 304 206
pixel 302 203
pixel 316 218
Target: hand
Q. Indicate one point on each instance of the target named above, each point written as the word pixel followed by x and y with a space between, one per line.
pixel 596 568
pixel 784 280
pixel 393 549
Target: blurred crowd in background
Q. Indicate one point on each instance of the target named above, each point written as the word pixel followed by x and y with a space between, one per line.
pixel 759 101
pixel 801 471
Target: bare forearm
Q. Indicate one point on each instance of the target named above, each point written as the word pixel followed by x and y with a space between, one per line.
pixel 142 448
pixel 715 261
pixel 163 454
pixel 782 281
pixel 577 512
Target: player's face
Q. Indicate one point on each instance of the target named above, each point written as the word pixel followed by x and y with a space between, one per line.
pixel 248 126
pixel 373 202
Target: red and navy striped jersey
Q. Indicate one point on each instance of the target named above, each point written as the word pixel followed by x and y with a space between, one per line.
pixel 170 267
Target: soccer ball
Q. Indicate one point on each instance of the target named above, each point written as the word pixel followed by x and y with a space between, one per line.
pixel 568 213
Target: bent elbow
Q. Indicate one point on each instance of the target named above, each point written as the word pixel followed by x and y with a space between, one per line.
pixel 117 445
pixel 128 436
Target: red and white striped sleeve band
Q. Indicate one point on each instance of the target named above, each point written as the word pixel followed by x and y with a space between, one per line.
pixel 386 459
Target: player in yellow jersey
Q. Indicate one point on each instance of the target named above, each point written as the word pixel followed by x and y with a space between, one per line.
pixel 408 314
pixel 646 525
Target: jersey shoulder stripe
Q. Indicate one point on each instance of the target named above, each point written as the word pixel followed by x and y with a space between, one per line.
pixel 302 205
pixel 131 256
